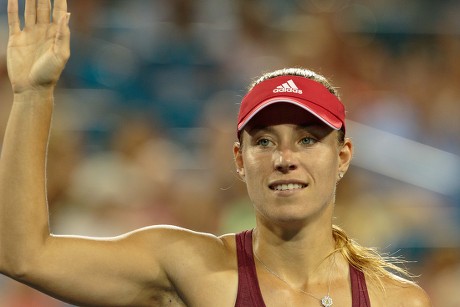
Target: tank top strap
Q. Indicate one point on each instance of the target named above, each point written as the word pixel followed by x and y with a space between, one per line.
pixel 359 293
pixel 249 293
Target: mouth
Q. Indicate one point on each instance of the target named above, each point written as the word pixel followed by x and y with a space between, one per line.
pixel 287 186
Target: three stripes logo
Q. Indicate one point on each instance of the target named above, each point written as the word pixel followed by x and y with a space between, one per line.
pixel 287 87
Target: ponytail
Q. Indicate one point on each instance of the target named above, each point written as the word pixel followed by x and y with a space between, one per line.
pixel 374 265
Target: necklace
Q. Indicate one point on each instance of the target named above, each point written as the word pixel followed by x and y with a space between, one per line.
pixel 326 301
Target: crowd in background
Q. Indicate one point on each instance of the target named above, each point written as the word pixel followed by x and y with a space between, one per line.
pixel 145 119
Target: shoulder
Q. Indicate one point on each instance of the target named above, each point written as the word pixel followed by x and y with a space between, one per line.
pixel 173 238
pixel 401 292
pixel 407 293
pixel 193 261
pixel 171 246
pixel 189 259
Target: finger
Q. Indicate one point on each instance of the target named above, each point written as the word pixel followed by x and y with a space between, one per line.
pixel 62 41
pixel 43 11
pixel 30 13
pixel 59 10
pixel 13 17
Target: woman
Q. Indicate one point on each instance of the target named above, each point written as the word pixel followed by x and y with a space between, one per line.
pixel 291 153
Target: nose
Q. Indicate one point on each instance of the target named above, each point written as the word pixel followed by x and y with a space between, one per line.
pixel 284 161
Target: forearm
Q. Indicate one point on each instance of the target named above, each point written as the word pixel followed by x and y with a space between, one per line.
pixel 23 209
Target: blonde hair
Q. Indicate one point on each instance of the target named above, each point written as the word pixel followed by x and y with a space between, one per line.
pixel 374 265
pixel 301 72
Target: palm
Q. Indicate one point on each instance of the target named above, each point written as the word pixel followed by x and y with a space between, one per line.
pixel 36 55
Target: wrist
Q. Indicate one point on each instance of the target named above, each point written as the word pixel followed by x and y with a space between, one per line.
pixel 36 94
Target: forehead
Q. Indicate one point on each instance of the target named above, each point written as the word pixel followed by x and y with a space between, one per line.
pixel 283 113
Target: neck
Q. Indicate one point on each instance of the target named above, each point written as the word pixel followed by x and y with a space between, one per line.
pixel 300 256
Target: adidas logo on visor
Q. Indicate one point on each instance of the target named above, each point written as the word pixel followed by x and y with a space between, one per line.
pixel 287 87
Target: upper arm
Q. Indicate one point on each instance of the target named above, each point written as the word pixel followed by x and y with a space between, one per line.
pixel 131 269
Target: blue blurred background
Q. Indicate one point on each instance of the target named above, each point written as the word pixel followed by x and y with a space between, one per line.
pixel 146 109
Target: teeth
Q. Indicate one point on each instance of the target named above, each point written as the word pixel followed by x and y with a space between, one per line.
pixel 290 186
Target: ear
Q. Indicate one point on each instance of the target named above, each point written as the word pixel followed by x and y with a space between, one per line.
pixel 345 155
pixel 238 158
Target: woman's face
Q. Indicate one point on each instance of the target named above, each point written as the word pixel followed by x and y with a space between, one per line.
pixel 291 162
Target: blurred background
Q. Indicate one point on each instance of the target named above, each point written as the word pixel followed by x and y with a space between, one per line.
pixel 146 109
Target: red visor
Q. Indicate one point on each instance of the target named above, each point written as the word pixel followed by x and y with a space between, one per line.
pixel 303 92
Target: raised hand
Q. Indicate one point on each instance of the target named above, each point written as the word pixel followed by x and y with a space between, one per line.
pixel 37 54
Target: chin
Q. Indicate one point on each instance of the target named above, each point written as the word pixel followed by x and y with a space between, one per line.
pixel 290 216
pixel 295 215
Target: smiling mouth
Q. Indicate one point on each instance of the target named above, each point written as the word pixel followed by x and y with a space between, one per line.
pixel 287 186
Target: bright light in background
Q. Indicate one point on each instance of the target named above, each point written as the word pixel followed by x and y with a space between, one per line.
pixel 405 160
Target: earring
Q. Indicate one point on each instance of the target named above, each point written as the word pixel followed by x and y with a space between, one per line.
pixel 340 175
pixel 241 177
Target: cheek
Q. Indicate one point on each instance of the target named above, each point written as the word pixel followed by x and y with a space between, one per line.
pixel 326 169
pixel 252 167
pixel 256 168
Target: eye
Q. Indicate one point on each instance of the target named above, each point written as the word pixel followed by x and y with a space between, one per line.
pixel 264 142
pixel 308 141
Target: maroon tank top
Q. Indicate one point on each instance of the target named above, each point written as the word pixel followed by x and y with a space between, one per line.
pixel 249 294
